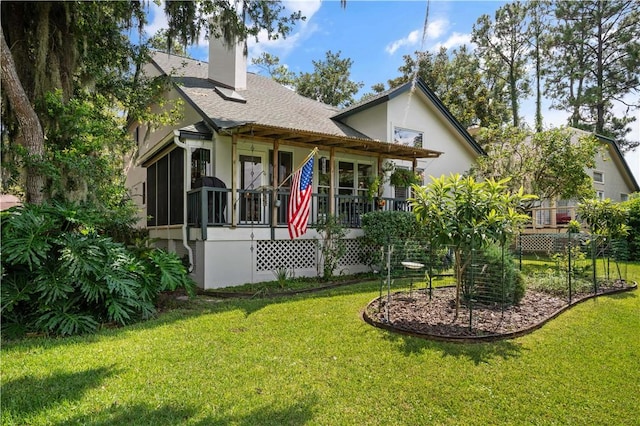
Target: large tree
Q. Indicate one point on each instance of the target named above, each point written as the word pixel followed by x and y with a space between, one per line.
pixel 549 164
pixel 596 64
pixel 503 47
pixel 329 82
pixel 74 47
pixel 455 77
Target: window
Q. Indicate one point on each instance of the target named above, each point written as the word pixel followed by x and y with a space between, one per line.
pixel 345 178
pixel 598 177
pixel 407 137
pixel 624 197
pixel 165 187
pixel 285 162
pixel 600 195
pixel 200 163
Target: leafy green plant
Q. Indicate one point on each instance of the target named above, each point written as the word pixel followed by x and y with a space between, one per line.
pixel 62 276
pixel 283 275
pixel 404 178
pixel 633 223
pixel 331 244
pixel 383 228
pixel 495 279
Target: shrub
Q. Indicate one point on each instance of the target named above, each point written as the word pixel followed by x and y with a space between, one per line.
pixel 62 276
pixel 633 238
pixel 399 228
pixel 492 276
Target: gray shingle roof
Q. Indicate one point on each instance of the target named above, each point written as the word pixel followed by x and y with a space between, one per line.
pixel 267 102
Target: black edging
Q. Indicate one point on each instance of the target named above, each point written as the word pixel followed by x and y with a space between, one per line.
pixel 488 337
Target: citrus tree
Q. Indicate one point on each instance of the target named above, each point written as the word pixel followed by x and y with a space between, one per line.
pixel 468 214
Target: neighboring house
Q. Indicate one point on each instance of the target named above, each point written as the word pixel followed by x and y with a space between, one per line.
pixel 612 179
pixel 213 187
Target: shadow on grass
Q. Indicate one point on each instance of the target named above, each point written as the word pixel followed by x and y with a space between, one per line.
pixel 300 412
pixel 30 395
pixel 479 353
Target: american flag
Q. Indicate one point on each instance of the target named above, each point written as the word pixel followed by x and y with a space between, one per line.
pixel 300 199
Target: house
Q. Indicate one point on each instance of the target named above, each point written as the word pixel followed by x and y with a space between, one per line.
pixel 612 179
pixel 214 187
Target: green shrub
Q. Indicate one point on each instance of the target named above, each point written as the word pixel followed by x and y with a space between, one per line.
pixel 633 238
pixel 493 276
pixel 62 276
pixel 382 228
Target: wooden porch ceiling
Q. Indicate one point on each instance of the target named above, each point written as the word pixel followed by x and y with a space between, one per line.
pixel 354 145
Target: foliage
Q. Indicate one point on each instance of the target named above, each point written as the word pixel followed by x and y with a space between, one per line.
pixel 160 42
pixel 63 276
pixel 329 82
pixel 466 214
pixel 332 245
pixel 594 63
pixel 458 82
pixel 277 71
pixel 404 178
pixel 604 217
pixel 387 227
pixel 503 46
pixel 496 280
pixel 73 47
pixel 633 239
pixel 549 164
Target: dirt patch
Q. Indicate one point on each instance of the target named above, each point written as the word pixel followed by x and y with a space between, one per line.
pixel 434 317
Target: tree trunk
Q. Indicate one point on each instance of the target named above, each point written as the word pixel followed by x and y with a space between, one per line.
pixel 28 123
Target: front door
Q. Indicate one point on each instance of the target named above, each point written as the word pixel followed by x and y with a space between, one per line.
pixel 251 177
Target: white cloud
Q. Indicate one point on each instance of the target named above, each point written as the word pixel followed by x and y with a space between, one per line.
pixel 159 20
pixel 307 7
pixel 412 39
pixel 454 40
pixel 435 29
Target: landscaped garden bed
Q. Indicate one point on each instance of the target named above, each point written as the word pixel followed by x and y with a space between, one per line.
pixel 418 314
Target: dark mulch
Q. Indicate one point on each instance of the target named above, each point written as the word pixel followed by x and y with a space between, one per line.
pixel 414 313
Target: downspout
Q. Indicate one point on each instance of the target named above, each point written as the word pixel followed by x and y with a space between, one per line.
pixel 176 140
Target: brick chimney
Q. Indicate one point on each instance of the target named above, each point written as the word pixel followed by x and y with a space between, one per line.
pixel 228 64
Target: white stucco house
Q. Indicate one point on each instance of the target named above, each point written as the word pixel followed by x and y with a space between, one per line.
pixel 210 185
pixel 214 187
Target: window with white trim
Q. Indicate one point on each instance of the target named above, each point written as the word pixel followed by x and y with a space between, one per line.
pixel 598 177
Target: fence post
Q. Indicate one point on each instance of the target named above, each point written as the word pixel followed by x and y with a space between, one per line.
pixel 570 271
pixel 594 262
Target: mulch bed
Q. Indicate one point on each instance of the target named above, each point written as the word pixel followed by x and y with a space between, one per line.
pixel 416 314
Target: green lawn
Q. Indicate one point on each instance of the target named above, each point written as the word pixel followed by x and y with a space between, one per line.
pixel 310 359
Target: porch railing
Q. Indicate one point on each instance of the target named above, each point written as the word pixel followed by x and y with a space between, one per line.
pixel 255 207
pixel 552 217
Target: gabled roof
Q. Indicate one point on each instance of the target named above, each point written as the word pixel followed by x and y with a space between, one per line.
pixel 419 84
pixel 270 110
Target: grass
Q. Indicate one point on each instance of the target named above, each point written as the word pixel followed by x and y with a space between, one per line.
pixel 310 359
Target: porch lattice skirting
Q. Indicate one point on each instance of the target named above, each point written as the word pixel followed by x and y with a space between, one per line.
pixel 273 255
pixel 544 243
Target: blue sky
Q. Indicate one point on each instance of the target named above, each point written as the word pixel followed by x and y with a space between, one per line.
pixel 375 35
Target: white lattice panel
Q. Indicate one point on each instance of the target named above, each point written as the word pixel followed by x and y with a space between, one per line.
pixel 289 254
pixel 352 253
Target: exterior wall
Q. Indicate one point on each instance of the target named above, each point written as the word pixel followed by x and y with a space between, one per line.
pixel 372 122
pixel 411 111
pixel 235 256
pixel 614 184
